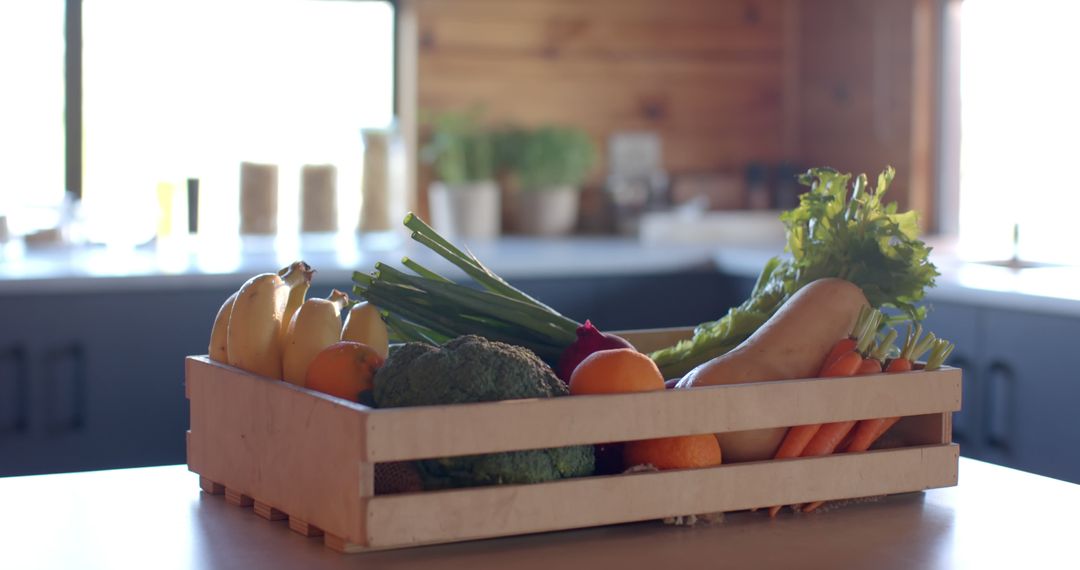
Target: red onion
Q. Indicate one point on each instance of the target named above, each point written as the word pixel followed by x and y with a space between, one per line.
pixel 589 340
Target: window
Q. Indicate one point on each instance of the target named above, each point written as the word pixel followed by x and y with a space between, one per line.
pixel 1020 129
pixel 31 113
pixel 188 89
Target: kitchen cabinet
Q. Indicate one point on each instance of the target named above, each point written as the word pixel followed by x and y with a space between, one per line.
pixel 1020 395
pixel 96 381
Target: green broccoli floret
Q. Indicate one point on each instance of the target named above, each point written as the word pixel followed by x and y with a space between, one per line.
pixel 473 369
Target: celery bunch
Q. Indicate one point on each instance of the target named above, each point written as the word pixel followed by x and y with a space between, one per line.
pixel 830 234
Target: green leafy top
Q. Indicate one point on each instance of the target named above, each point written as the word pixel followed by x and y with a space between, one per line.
pixel 860 239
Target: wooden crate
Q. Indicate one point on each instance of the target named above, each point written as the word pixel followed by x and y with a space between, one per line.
pixel 291 452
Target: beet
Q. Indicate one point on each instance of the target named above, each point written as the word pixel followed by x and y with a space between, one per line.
pixel 589 340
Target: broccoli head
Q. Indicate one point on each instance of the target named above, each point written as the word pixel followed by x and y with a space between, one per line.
pixel 473 369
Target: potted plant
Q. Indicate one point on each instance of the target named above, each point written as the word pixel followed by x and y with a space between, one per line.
pixel 548 164
pixel 463 199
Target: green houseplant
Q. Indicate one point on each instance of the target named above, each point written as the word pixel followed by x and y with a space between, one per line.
pixel 549 165
pixel 463 198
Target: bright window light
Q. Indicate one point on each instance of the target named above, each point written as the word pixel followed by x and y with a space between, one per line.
pixel 31 113
pixel 190 89
pixel 1020 129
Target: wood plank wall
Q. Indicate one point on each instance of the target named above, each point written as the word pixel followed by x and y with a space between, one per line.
pixel 724 82
pixel 867 77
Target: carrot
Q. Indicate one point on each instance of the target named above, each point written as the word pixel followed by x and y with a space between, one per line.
pixel 827 438
pixel 846 365
pixel 898 365
pixel 867 432
pixel 799 438
pixel 793 445
pixel 846 345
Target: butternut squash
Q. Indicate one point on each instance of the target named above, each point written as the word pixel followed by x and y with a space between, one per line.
pixel 791 344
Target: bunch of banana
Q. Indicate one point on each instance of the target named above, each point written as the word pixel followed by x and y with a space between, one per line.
pixel 270 327
pixel 250 325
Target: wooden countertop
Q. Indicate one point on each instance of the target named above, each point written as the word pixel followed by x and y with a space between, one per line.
pixel 157 518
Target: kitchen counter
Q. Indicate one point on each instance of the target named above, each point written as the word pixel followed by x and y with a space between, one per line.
pixel 157 518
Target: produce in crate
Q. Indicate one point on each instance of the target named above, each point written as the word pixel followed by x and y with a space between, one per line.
pixel 680 452
pixel 219 333
pixel 867 432
pixel 474 369
pixel 427 307
pixel 791 344
pixel 858 238
pixel 614 371
pixel 297 296
pixel 314 326
pixel 344 369
pixel 253 339
pixel 842 360
pixel 589 341
pixel 364 324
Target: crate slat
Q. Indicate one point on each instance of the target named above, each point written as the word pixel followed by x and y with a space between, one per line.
pixel 464 429
pixel 445 516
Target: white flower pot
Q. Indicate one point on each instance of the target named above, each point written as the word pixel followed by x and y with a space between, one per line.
pixel 465 210
pixel 548 212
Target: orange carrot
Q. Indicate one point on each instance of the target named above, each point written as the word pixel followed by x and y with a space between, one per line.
pixel 868 366
pixel 800 438
pixel 793 445
pixel 867 432
pixel 827 438
pixel 846 345
pixel 795 441
pixel 845 365
pixel 898 365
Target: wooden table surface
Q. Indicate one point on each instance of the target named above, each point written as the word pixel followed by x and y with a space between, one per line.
pixel 158 518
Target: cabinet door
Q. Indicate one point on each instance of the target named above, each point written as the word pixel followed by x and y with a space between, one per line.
pixel 44 366
pixel 960 324
pixel 17 347
pixel 137 412
pixel 106 377
pixel 1032 393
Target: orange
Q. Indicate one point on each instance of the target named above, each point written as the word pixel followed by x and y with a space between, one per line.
pixel 615 371
pixel 683 452
pixel 343 369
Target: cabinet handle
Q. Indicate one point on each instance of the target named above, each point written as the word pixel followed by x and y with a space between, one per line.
pixel 75 420
pixel 961 429
pixel 20 424
pixel 1000 393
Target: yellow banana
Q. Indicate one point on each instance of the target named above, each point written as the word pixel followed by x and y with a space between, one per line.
pixel 315 326
pixel 254 332
pixel 363 324
pixel 296 296
pixel 219 334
